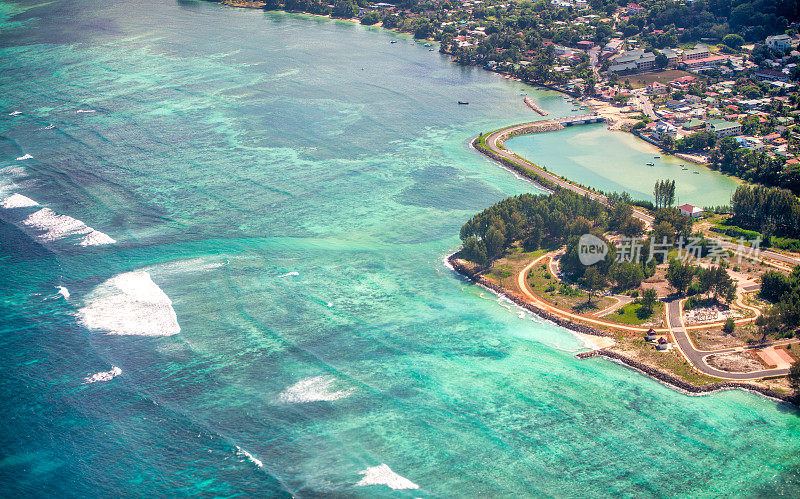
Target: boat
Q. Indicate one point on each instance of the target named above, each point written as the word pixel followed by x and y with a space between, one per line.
pixel 656 157
pixel 430 50
pixel 650 164
pixel 696 173
pixel 427 44
pixel 463 103
pixel 394 41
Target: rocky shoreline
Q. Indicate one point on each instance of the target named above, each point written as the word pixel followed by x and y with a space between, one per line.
pixel 661 376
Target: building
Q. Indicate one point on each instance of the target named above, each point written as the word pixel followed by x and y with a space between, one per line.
pixel 633 61
pixel 664 129
pixel 673 56
pixel 722 128
pixel 690 210
pixel 694 124
pixel 751 143
pixel 662 344
pixel 780 42
pixel 699 52
pixel 705 62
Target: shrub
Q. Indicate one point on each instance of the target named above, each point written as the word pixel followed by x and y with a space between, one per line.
pixel 729 326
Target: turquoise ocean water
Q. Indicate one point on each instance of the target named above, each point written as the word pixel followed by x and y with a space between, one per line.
pixel 221 274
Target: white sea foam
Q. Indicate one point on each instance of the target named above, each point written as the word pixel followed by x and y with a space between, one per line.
pixel 289 274
pixel 129 304
pixel 48 127
pixel 313 389
pixel 14 113
pixel 103 376
pixel 250 457
pixel 85 111
pixel 53 226
pixel 17 201
pixel 383 475
pixel 328 304
pixel 96 238
pixel 63 292
pixel 22 158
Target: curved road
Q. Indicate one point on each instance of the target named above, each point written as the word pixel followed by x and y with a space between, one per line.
pixel 697 358
pixel 494 142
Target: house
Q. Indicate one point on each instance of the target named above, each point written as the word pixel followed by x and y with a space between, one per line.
pixel 705 62
pixel 662 344
pixel 694 124
pixel 780 42
pixel 751 143
pixel 664 129
pixel 650 335
pixel 657 88
pixel 722 128
pixel 772 75
pixel 683 82
pixel 690 210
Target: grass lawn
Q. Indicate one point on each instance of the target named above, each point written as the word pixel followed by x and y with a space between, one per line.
pixel 563 295
pixel 633 314
pixel 642 80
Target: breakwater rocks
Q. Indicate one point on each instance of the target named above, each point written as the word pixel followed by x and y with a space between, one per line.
pixel 475 276
pixel 532 104
pixel 680 384
pixel 537 127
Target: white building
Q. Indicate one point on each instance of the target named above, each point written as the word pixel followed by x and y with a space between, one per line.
pixel 779 42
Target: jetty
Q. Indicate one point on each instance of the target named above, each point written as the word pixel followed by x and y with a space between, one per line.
pixel 531 104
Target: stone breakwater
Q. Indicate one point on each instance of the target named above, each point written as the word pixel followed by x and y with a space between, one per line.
pixel 540 127
pixel 532 104
pixel 475 276
pixel 680 384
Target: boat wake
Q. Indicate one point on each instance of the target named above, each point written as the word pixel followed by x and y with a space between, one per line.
pixel 129 304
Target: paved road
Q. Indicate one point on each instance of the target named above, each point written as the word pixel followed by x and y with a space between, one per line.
pixel 645 105
pixel 698 357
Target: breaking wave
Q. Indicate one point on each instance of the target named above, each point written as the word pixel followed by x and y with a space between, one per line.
pixel 249 457
pixel 103 376
pixel 27 156
pixel 289 274
pixel 129 304
pixel 383 475
pixel 313 389
pixel 17 201
pixel 53 226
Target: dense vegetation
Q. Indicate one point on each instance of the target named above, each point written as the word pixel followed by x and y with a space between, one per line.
pixel 784 316
pixel 752 19
pixel 768 210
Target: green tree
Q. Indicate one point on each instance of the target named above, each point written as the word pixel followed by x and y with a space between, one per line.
pixel 733 41
pixel 680 275
pixel 594 281
pixel 649 299
pixel 729 326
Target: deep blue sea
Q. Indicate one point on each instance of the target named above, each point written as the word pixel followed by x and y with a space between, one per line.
pixel 221 274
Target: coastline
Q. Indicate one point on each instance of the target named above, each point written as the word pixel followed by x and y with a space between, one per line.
pixel 589 334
